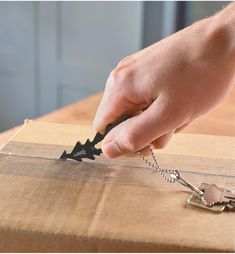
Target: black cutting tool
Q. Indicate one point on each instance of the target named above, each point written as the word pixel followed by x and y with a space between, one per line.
pixel 88 149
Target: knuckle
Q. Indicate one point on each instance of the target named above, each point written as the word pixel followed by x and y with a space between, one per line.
pixel 121 74
pixel 125 61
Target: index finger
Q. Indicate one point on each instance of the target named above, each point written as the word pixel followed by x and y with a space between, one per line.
pixel 113 104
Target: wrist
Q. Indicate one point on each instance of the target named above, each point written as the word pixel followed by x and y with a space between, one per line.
pixel 221 32
pixel 212 40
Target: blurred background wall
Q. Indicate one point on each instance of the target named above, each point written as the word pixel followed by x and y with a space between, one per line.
pixel 55 53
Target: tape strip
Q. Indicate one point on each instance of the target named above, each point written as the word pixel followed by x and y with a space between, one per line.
pixel 181 162
pixel 42 168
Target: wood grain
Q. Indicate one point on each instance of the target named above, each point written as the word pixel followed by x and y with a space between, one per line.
pixel 220 121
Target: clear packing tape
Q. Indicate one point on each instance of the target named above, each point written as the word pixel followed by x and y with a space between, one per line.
pixel 35 151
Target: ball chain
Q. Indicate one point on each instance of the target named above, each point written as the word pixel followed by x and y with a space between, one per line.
pixel 156 167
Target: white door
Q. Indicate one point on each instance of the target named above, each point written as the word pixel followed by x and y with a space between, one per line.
pixel 18 98
pixel 80 43
pixel 54 53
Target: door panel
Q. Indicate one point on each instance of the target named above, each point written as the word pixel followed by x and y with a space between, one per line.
pixel 17 63
pixel 54 53
pixel 81 43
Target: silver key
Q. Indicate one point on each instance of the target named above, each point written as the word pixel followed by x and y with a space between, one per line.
pixel 216 195
pixel 195 199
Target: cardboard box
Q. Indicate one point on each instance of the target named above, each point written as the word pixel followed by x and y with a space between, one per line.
pixel 48 205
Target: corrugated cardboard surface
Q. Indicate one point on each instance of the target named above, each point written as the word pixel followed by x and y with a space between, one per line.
pixel 111 205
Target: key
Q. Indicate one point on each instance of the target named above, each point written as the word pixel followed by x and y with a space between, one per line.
pixel 230 195
pixel 216 195
pixel 195 199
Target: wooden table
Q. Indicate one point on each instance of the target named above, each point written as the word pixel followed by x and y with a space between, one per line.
pixel 220 121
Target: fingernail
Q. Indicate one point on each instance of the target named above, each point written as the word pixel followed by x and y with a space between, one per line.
pixel 111 150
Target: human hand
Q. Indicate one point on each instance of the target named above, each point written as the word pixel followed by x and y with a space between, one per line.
pixel 166 86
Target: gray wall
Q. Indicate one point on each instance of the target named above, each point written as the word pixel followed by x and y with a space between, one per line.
pixel 55 53
pixel 197 10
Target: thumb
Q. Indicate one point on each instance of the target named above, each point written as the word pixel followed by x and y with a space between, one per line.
pixel 138 131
